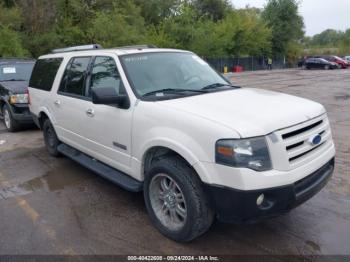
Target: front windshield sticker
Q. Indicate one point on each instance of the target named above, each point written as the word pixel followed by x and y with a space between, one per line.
pixel 199 60
pixel 136 58
pixel 9 70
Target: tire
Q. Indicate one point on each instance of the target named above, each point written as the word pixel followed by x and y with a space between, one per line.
pixel 326 67
pixel 50 138
pixel 196 214
pixel 11 124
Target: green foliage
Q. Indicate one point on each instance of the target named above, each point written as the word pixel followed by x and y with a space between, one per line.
pixel 285 22
pixel 211 28
pixel 10 44
pixel 155 11
pixel 328 42
pixel 214 9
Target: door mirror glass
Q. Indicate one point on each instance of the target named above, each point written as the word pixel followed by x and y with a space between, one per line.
pixel 109 96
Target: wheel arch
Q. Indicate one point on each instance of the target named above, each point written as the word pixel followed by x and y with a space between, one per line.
pixel 42 116
pixel 156 151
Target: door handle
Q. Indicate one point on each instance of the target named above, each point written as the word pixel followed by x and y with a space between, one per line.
pixel 90 112
pixel 57 102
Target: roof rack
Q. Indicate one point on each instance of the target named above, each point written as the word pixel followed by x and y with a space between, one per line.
pixel 140 47
pixel 77 48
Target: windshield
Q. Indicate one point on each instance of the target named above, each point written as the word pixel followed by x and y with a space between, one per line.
pixel 150 72
pixel 16 71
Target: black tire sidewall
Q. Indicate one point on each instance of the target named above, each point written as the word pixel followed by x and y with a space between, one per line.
pixel 52 149
pixel 193 207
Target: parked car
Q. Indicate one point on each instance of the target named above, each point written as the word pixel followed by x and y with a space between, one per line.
pixel 14 78
pixel 336 59
pixel 347 58
pixel 319 63
pixel 197 146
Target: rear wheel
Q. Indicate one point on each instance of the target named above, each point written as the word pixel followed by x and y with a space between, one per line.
pixel 175 200
pixel 50 138
pixel 10 123
pixel 326 67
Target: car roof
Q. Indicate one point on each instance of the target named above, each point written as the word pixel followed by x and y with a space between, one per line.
pixel 117 51
pixel 16 60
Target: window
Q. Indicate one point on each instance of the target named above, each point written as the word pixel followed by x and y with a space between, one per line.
pixel 73 81
pixel 44 73
pixel 105 74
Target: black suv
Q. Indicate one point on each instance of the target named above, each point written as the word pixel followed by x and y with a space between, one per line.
pixel 14 77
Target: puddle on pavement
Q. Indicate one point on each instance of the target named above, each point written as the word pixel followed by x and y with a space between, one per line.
pixel 52 181
pixel 342 97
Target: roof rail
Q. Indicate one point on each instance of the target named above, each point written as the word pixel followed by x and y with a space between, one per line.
pixel 136 47
pixel 77 48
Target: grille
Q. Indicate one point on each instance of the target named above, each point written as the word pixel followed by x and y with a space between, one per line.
pixel 296 140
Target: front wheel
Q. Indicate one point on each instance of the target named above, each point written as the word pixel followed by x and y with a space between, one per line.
pixel 175 200
pixel 50 138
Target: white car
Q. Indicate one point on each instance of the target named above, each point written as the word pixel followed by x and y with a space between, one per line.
pixel 162 121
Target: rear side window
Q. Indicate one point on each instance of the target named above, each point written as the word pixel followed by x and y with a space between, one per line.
pixel 44 73
pixel 73 81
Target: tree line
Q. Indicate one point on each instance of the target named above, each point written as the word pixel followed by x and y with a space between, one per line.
pixel 211 28
pixel 329 41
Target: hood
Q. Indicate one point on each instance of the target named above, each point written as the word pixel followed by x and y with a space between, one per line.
pixel 250 112
pixel 16 87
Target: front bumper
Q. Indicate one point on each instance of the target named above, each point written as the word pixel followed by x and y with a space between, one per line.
pixel 239 206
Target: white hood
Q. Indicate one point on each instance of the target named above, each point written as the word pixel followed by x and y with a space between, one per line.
pixel 250 112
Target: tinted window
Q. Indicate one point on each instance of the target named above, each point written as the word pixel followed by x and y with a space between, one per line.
pixel 105 74
pixel 73 81
pixel 44 73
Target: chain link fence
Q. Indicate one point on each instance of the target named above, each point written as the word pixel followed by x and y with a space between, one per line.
pixel 248 63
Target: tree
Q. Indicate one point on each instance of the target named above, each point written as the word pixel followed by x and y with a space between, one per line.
pixel 122 25
pixel 155 11
pixel 215 9
pixel 285 23
pixel 10 44
pixel 328 38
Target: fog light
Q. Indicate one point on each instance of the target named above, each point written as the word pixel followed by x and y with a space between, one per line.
pixel 260 199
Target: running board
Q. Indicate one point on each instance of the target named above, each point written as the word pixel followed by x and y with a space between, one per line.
pixel 101 169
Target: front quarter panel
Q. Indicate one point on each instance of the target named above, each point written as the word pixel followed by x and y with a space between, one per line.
pixel 190 136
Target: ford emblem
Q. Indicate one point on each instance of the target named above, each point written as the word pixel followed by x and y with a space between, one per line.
pixel 315 140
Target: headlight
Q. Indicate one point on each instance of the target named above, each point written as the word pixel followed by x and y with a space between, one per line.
pixel 249 153
pixel 19 99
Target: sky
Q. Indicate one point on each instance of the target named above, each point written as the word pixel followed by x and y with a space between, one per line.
pixel 319 15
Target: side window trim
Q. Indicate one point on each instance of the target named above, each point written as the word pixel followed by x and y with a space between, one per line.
pixel 87 72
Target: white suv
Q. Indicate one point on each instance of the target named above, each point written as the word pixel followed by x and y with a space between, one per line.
pixel 162 121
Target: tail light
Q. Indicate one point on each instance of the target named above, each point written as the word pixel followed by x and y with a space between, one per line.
pixel 27 93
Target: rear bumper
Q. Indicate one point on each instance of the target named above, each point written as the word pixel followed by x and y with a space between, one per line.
pixel 21 113
pixel 238 206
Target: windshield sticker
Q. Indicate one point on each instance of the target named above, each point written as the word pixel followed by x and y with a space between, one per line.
pixel 136 58
pixel 9 70
pixel 199 60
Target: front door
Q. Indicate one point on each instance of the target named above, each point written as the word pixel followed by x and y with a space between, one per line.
pixel 110 126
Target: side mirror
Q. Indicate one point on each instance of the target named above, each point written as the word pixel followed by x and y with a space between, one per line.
pixel 109 96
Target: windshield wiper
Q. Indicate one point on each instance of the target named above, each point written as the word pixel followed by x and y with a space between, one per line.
pixel 218 85
pixel 173 91
pixel 12 80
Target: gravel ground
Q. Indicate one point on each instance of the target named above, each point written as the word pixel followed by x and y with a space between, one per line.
pixel 54 206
